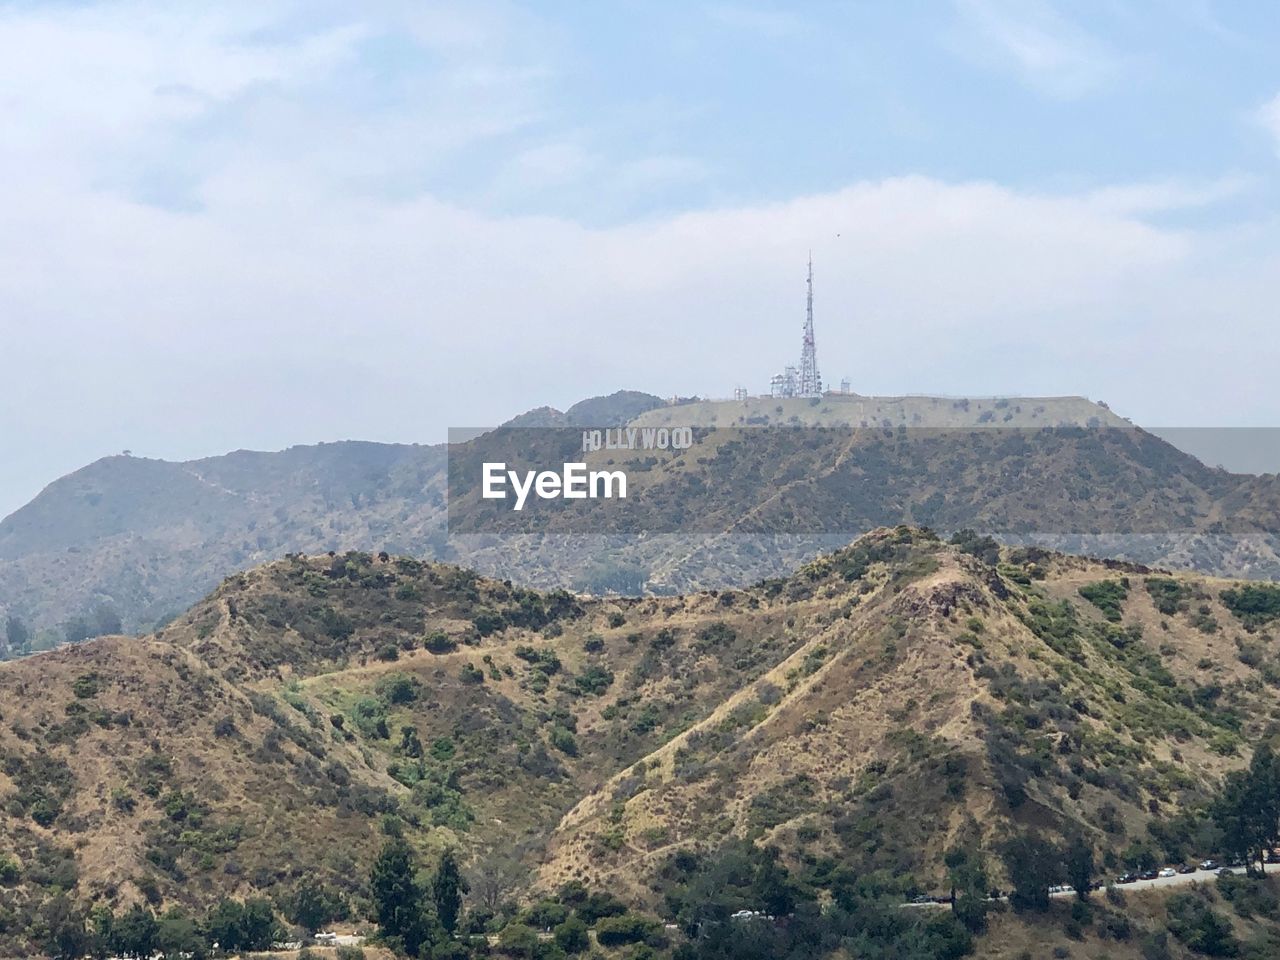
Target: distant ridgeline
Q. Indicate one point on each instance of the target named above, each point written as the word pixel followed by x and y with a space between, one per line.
pixel 125 543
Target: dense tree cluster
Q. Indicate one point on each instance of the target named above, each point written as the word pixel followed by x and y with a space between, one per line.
pixel 413 916
pixel 784 917
pixel 1247 809
pixel 64 930
pixel 100 621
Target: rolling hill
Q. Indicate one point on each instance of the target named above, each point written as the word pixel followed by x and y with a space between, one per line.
pixel 880 705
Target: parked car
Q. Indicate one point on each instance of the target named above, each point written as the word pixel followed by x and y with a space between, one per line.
pixel 1226 872
pixel 1147 875
pixel 1188 868
pixel 1168 872
pixel 1209 865
pixel 1126 878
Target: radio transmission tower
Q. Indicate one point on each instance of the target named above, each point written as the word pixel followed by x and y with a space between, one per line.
pixel 802 381
pixel 810 384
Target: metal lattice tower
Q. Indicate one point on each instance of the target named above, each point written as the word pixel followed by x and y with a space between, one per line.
pixel 802 381
pixel 810 381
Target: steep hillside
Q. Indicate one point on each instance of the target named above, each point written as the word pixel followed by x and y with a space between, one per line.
pixel 146 537
pixel 933 695
pixel 869 710
pixel 264 736
pixel 126 543
pixel 746 502
pixel 143 539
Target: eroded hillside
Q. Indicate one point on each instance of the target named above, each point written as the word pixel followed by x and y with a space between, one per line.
pixel 935 695
pixel 267 735
pixel 869 710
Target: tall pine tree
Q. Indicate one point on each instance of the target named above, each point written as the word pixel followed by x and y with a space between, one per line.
pixel 398 898
pixel 447 889
pixel 1247 809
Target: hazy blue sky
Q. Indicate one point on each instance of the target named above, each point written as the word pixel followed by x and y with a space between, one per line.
pixel 257 224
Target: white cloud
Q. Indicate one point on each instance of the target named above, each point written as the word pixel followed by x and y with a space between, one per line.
pixel 317 289
pixel 1032 39
pixel 1167 196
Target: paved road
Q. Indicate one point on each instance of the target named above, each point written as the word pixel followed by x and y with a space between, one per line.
pixel 1177 880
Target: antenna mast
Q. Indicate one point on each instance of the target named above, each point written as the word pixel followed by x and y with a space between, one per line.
pixel 804 381
pixel 810 384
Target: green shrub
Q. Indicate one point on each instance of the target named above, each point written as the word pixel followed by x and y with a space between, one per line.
pixel 370 717
pixel 1055 623
pixel 664 639
pixel 718 634
pixel 571 936
pixel 1168 594
pixel 1254 603
pixel 1194 923
pixel 439 642
pixel 984 548
pixel 627 928
pixel 1107 596
pixel 488 622
pixel 398 688
pixel 122 800
pixel 564 741
pixel 517 940
pixel 593 681
pixel 86 686
pixel 335 624
pixel 542 659
pixel 544 914
pixel 1249 897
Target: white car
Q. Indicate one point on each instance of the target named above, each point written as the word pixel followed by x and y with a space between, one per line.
pixel 1167 872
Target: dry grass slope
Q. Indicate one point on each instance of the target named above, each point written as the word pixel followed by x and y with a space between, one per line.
pixel 869 709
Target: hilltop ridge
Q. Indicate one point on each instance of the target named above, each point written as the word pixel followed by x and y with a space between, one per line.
pixel 130 542
pixel 855 410
pixel 873 707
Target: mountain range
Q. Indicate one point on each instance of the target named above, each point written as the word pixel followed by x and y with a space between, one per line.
pixel 127 543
